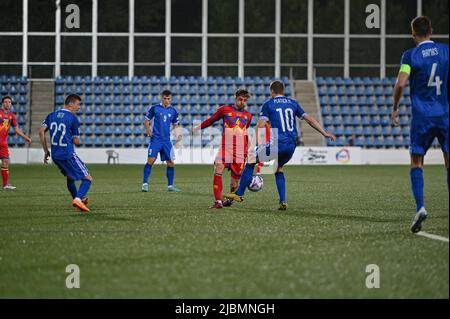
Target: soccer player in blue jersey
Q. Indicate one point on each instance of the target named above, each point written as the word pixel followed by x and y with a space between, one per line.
pixel 280 113
pixel 64 130
pixel 162 115
pixel 426 67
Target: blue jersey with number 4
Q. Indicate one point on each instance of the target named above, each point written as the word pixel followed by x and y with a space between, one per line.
pixel 63 126
pixel 281 111
pixel 428 67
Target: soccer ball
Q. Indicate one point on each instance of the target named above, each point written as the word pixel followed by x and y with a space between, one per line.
pixel 257 183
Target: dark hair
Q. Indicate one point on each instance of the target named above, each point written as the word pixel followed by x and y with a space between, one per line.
pixel 6 97
pixel 242 92
pixel 72 98
pixel 277 87
pixel 166 93
pixel 421 26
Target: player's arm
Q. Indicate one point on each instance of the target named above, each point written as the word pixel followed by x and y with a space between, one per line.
pixel 76 140
pixel 148 118
pixel 209 121
pixel 76 132
pixel 402 80
pixel 22 134
pixel 177 128
pixel 43 140
pixel 316 125
pixel 262 123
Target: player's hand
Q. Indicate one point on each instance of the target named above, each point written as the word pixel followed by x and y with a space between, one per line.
pixel 27 139
pixel 330 135
pixel 149 133
pixel 196 129
pixel 394 118
pixel 46 157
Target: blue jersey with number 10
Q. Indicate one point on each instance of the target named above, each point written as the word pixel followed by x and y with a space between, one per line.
pixel 427 65
pixel 63 126
pixel 281 111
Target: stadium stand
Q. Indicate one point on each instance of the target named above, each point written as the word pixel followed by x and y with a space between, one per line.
pixel 17 88
pixel 361 107
pixel 114 107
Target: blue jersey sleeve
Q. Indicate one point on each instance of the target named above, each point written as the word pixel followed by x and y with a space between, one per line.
pixel 46 122
pixel 150 114
pixel 175 119
pixel 264 113
pixel 299 111
pixel 75 130
pixel 406 58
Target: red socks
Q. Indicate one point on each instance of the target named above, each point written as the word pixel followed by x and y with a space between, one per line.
pixel 217 187
pixel 5 175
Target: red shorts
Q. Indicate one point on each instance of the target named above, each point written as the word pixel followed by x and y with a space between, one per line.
pixel 234 164
pixel 4 152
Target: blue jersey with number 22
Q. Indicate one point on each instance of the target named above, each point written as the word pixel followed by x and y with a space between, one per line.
pixel 63 126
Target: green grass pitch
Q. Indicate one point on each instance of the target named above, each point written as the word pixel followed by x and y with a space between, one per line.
pixel 170 245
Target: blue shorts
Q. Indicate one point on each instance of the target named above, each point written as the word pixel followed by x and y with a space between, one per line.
pixel 164 148
pixel 73 168
pixel 423 131
pixel 282 154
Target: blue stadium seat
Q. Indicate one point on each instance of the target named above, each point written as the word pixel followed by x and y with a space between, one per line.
pixel 118 142
pixel 87 141
pixel 117 131
pixel 127 142
pixel 87 130
pixel 138 141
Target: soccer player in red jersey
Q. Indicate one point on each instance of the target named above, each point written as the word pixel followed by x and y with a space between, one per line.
pixel 7 119
pixel 234 147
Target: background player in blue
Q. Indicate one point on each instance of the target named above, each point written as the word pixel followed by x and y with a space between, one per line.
pixel 64 130
pixel 280 113
pixel 162 115
pixel 426 67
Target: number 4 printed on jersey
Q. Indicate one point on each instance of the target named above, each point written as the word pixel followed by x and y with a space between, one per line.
pixel 438 81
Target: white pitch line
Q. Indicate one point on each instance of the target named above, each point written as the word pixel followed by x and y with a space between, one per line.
pixel 432 236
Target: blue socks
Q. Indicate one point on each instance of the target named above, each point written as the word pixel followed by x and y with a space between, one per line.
pixel 416 174
pixel 246 179
pixel 170 175
pixel 281 186
pixel 84 188
pixel 72 187
pixel 147 172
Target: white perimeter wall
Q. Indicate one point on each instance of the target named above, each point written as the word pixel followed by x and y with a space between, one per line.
pixel 302 156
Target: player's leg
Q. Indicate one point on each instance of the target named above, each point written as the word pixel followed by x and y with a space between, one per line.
pixel 235 176
pixel 422 134
pixel 79 171
pixel 153 150
pixel 283 157
pixel 85 185
pixel 168 155
pixel 147 172
pixel 4 157
pixel 219 167
pixel 417 183
pixel 72 187
pixel 265 152
pixel 170 173
pixel 5 173
pixel 281 187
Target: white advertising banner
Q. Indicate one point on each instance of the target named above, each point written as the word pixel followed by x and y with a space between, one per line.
pixel 303 156
pixel 326 156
